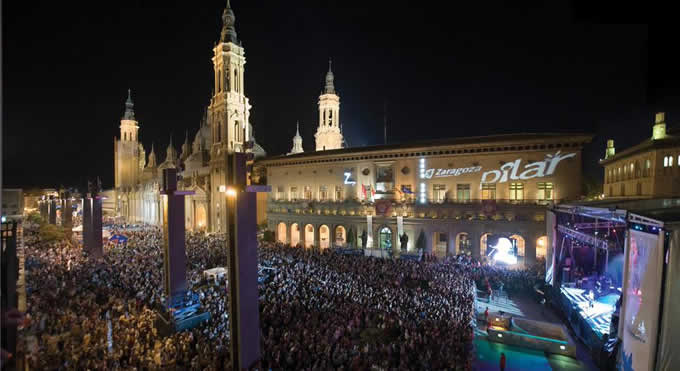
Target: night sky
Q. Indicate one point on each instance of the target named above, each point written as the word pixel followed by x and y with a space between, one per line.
pixel 496 67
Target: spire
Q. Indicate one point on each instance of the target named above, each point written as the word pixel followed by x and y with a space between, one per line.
pixel 228 26
pixel 152 157
pixel 297 128
pixel 297 141
pixel 330 89
pixel 129 107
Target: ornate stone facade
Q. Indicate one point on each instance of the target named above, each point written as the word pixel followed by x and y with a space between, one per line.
pixel 224 129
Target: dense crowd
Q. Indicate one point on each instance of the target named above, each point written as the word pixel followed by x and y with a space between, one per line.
pixel 318 309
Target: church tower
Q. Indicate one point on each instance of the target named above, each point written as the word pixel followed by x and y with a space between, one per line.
pixel 228 113
pixel 127 149
pixel 328 134
pixel 297 141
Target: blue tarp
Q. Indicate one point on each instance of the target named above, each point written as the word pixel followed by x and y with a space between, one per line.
pixel 119 238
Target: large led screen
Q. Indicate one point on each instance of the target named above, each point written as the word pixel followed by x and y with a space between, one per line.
pixel 642 295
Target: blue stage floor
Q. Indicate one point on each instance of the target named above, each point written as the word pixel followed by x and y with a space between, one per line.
pixel 599 316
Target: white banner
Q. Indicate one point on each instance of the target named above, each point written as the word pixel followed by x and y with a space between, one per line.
pixel 642 286
pixel 400 226
pixel 369 227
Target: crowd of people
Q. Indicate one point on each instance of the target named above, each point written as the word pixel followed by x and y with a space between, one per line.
pixel 318 309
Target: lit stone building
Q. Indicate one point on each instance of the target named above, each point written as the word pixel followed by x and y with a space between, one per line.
pixel 329 133
pixel 224 129
pixel 650 169
pixel 461 193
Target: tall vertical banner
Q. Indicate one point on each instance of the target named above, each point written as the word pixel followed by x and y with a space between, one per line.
pixel 550 223
pixel 369 227
pixel 400 226
pixel 642 286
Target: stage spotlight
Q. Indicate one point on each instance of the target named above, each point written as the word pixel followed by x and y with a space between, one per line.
pixel 503 248
pixel 500 335
pixel 562 347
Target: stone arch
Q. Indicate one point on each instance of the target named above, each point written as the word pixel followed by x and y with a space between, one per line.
pixel 463 243
pixel 542 246
pixel 281 232
pixel 521 244
pixel 309 235
pixel 340 235
pixel 324 236
pixel 294 234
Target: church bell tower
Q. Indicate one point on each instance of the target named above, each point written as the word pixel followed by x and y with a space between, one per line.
pixel 228 113
pixel 328 134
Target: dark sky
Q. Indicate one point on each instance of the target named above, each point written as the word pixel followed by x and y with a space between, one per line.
pixel 496 67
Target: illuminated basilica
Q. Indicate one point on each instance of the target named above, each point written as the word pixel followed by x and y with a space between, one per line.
pixel 201 163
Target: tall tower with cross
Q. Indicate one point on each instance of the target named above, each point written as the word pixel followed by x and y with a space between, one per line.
pixel 328 134
pixel 229 110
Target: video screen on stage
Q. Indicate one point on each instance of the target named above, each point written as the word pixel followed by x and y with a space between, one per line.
pixel 641 308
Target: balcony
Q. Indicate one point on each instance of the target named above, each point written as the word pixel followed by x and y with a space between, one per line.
pixel 508 210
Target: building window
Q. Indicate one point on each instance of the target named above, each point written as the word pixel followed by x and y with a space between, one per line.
pixel 668 161
pixel 308 193
pixel 463 192
pixel 439 192
pixel 517 191
pixel 323 193
pixel 545 191
pixel 488 191
pixel 279 192
pixel 632 170
pixel 293 193
pixel 338 193
pixel 648 167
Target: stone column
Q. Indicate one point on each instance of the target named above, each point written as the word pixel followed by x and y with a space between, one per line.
pixel 244 316
pixel 87 224
pixel 97 249
pixel 317 236
pixel 43 209
pixel 529 250
pixel 67 217
pixel 174 257
pixel 53 211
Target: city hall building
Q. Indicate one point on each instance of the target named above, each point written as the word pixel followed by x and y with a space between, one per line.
pixel 461 193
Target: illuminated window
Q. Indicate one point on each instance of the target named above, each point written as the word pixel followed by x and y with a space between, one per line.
pixel 338 193
pixel 308 193
pixel 632 170
pixel 293 193
pixel 279 192
pixel 517 191
pixel 323 193
pixel 541 247
pixel 545 191
pixel 439 192
pixel 488 191
pixel 463 192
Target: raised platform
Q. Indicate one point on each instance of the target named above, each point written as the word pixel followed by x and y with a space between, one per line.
pixel 590 322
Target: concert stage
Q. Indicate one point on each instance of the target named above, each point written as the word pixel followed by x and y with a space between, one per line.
pixel 590 323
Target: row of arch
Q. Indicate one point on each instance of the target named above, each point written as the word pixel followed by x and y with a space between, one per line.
pixel 306 235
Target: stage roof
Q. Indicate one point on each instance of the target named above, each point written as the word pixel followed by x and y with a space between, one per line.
pixel 665 210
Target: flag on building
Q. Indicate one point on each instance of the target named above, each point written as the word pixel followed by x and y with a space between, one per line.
pixel 363 190
pixel 406 190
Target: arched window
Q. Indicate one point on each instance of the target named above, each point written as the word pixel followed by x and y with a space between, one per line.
pixel 237 86
pixel 541 247
pixel 386 238
pixel 463 244
pixel 483 244
pixel 237 132
pixel 124 136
